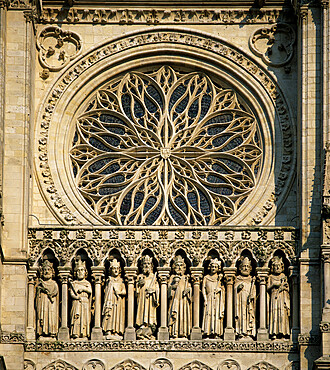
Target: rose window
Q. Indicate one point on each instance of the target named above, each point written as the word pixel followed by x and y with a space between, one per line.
pixel 166 147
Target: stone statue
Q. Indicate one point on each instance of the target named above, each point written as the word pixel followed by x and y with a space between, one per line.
pixel 113 323
pixel 47 301
pixel 214 301
pixel 245 296
pixel 147 291
pixel 179 292
pixel 279 303
pixel 81 293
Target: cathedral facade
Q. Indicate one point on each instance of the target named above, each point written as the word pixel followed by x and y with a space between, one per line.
pixel 165 185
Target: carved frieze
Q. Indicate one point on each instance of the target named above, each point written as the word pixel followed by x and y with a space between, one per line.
pixel 175 38
pixel 164 16
pixel 309 339
pixel 57 47
pixel 11 337
pixel 274 44
pixel 171 345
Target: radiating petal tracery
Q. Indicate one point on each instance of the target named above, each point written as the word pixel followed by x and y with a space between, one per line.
pixel 166 148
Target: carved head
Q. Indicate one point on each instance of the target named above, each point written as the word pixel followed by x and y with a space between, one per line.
pixel 146 264
pixel 179 265
pixel 47 270
pixel 214 266
pixel 115 268
pixel 80 269
pixel 277 266
pixel 245 266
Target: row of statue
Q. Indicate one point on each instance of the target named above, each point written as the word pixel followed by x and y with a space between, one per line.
pixel 180 300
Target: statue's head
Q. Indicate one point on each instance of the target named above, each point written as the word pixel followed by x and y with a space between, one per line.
pixel 214 265
pixel 277 266
pixel 47 270
pixel 80 269
pixel 146 264
pixel 245 266
pixel 115 267
pixel 179 265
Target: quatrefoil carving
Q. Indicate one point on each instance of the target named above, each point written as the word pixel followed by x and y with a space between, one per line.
pixel 57 47
pixel 274 44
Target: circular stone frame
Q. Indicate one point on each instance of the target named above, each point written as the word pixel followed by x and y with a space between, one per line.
pixel 56 121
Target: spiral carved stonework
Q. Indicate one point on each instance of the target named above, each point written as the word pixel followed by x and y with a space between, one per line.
pixel 166 147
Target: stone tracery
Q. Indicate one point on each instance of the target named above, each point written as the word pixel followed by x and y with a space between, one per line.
pixel 166 148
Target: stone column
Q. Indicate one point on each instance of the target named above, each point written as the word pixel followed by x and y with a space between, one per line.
pixel 30 329
pixel 64 274
pixel 262 274
pixel 294 274
pixel 163 273
pixel 325 323
pixel 196 275
pixel 98 274
pixel 130 273
pixel 229 274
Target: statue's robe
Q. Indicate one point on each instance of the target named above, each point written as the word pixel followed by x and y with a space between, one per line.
pixel 214 305
pixel 147 303
pixel 245 306
pixel 180 305
pixel 47 308
pixel 81 309
pixel 114 306
pixel 279 305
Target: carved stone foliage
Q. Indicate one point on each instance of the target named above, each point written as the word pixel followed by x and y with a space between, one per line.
pixel 18 4
pixel 128 365
pixel 195 365
pixel 309 339
pixel 94 365
pixel 161 364
pixel 62 205
pixel 163 16
pixel 229 365
pixel 325 327
pixel 11 337
pixel 198 150
pixel 274 44
pixel 57 47
pixel 29 365
pixel 65 247
pixel 263 365
pixel 171 345
pixel 59 365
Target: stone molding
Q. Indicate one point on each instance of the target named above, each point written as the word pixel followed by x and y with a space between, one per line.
pixel 325 327
pixel 64 243
pixel 160 346
pixel 191 39
pixel 164 16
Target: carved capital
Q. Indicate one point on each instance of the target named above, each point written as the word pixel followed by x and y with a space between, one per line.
pixel 64 273
pixel 324 4
pixel 130 274
pixel 262 275
pixel 229 275
pixel 308 339
pixel 98 274
pixel 32 276
pixel 163 274
pixel 293 273
pixel 196 274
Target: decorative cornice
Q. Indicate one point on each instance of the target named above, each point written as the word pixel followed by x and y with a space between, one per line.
pixel 164 16
pixel 161 346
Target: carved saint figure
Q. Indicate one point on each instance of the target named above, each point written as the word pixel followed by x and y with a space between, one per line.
pixel 47 301
pixel 80 292
pixel 179 292
pixel 245 300
pixel 113 323
pixel 147 291
pixel 214 301
pixel 279 303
